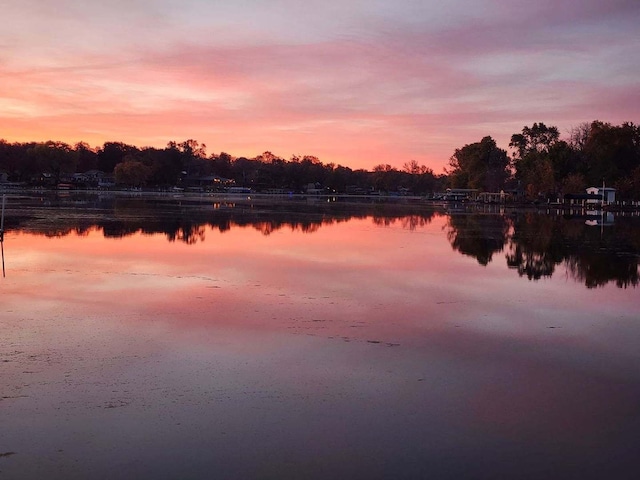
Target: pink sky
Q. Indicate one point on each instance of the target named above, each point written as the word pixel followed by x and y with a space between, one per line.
pixel 356 83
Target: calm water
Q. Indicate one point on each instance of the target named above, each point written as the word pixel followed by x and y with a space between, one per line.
pixel 167 338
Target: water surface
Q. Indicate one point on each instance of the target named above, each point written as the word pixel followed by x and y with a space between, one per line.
pixel 167 338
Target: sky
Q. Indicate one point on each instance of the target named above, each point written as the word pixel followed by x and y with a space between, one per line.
pixel 353 82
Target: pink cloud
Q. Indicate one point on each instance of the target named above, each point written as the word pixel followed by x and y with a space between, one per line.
pixel 394 90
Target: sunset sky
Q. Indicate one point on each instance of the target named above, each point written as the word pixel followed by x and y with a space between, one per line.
pixel 354 82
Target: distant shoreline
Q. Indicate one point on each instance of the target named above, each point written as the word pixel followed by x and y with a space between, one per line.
pixel 324 198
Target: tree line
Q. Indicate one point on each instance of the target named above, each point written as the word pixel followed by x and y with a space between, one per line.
pixel 179 163
pixel 543 165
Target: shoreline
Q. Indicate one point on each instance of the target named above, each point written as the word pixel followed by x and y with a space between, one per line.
pixel 338 199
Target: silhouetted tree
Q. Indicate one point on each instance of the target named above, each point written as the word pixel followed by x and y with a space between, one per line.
pixel 132 172
pixel 87 158
pixel 222 165
pixel 54 158
pixel 113 153
pixel 532 159
pixel 611 152
pixel 479 165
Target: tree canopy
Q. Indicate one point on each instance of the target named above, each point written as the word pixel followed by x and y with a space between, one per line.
pixel 480 165
pixel 187 162
pixel 594 153
pixel 541 164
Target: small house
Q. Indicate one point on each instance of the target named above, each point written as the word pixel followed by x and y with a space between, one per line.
pixel 603 195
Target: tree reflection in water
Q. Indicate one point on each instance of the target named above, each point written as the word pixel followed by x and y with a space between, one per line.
pixel 186 220
pixel 478 235
pixel 534 244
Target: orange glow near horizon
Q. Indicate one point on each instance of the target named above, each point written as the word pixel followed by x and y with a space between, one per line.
pixel 376 84
pixel 357 150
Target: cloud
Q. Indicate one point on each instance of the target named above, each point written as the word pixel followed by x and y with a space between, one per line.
pixel 417 79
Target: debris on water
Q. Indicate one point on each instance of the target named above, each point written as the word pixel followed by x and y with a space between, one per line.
pixel 373 341
pixel 7 454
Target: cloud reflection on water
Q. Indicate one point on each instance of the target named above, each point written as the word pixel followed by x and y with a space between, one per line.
pixel 362 349
pixel 533 245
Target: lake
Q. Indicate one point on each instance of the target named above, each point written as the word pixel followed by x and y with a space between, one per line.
pixel 176 337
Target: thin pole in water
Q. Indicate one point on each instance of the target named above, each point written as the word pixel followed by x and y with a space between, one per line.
pixel 4 197
pixel 2 234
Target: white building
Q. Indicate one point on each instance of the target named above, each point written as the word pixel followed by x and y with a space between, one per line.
pixel 605 194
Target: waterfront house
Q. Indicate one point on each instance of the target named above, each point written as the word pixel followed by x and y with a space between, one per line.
pixel 594 196
pixel 605 195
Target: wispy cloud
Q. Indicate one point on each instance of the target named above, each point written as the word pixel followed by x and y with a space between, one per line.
pixel 357 83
